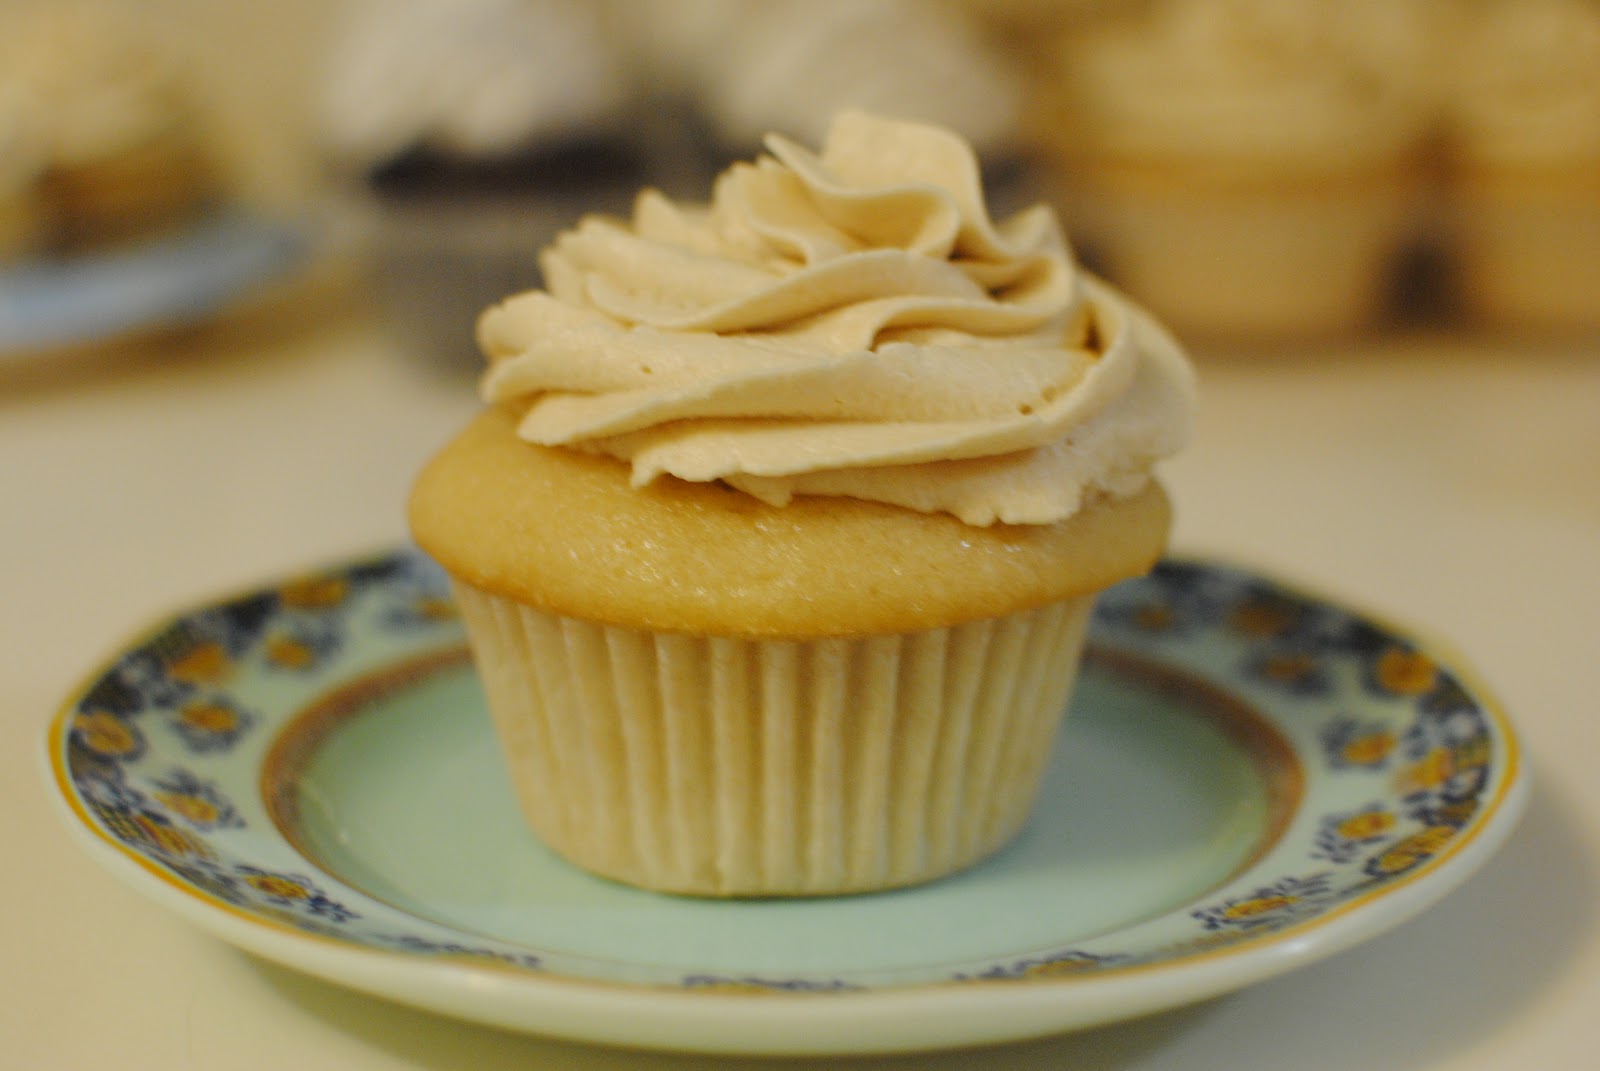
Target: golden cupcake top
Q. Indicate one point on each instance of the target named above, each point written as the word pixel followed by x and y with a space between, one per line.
pixel 562 531
pixel 849 323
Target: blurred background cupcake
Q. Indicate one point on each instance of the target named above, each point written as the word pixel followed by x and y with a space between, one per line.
pixel 1524 136
pixel 469 132
pixel 1251 169
pixel 116 120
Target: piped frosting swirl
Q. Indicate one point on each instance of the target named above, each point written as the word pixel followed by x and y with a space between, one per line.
pixel 844 323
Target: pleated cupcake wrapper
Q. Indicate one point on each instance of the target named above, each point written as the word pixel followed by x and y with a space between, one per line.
pixel 737 767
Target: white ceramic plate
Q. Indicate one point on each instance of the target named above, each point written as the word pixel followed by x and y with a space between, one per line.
pixel 1250 779
pixel 175 279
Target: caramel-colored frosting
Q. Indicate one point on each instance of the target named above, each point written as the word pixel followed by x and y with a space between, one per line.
pixel 850 324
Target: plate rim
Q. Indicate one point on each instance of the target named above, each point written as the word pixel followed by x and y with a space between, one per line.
pixel 917 1016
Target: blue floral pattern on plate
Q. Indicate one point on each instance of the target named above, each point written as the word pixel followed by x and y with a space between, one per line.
pixel 1406 767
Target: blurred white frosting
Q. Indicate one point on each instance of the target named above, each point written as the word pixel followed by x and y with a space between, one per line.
pixel 476 77
pixel 790 65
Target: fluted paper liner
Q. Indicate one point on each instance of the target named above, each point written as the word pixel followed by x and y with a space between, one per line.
pixel 739 767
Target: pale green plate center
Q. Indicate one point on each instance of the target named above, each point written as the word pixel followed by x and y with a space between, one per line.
pixel 1153 799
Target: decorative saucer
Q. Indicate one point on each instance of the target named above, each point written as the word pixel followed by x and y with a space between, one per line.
pixel 161 282
pixel 1250 778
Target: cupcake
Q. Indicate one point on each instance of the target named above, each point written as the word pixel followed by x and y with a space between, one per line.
pixel 777 539
pixel 1524 136
pixel 127 152
pixel 470 131
pixel 1248 168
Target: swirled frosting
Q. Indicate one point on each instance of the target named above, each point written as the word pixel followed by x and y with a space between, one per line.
pixel 850 323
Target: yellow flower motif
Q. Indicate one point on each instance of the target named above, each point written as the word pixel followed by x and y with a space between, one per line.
pixel 210 718
pixel 314 593
pixel 1261 905
pixel 204 663
pixel 1393 862
pixel 1406 672
pixel 288 652
pixel 1435 768
pixel 172 840
pixel 1431 840
pixel 104 734
pixel 278 886
pixel 1414 849
pixel 1289 668
pixel 1261 619
pixel 199 811
pixel 1369 749
pixel 1056 968
pixel 1365 825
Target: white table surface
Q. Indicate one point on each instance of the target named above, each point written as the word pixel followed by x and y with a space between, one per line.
pixel 1450 482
